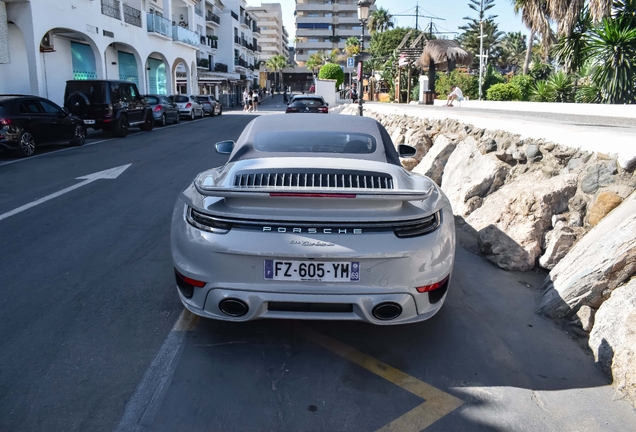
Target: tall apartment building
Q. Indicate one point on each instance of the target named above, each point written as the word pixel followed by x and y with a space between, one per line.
pixel 324 25
pixel 274 37
pixel 158 44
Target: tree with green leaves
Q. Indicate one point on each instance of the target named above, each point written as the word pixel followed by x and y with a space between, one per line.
pixel 512 51
pixel 380 21
pixel 332 71
pixel 569 50
pixel 352 46
pixel 315 61
pixel 276 64
pixel 384 43
pixel 470 38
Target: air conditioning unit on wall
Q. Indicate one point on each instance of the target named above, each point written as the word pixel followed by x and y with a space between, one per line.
pixel 46 44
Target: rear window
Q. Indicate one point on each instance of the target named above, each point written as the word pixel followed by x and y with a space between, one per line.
pixel 179 98
pixel 152 100
pixel 310 102
pixel 314 142
pixel 94 91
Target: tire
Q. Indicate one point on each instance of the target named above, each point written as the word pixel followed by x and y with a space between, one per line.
pixel 212 113
pixel 148 124
pixel 178 119
pixel 26 144
pixel 78 104
pixel 79 135
pixel 192 116
pixel 202 113
pixel 121 127
pixel 164 119
pixel 220 110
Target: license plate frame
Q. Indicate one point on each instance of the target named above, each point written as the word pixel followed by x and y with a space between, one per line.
pixel 310 271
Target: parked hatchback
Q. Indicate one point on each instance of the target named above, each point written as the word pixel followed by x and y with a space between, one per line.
pixel 189 106
pixel 26 122
pixel 111 105
pixel 211 106
pixel 163 109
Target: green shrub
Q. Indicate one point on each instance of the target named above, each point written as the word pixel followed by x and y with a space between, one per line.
pixel 332 71
pixel 503 92
pixel 562 87
pixel 541 92
pixel 491 77
pixel 467 83
pixel 540 71
pixel 588 94
pixel 524 83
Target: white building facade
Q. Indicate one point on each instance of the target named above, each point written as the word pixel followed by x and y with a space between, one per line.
pixel 325 25
pixel 144 41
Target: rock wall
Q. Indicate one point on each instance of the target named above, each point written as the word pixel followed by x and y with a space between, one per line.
pixel 537 203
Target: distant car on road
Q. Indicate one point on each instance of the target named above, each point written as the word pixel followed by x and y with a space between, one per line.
pixel 189 106
pixel 26 122
pixel 163 109
pixel 211 106
pixel 110 105
pixel 313 219
pixel 307 104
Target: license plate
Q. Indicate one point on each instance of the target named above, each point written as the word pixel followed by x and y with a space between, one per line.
pixel 89 121
pixel 317 271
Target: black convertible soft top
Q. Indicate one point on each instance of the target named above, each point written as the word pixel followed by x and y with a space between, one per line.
pixel 313 126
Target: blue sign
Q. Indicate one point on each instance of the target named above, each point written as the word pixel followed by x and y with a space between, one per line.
pixel 350 62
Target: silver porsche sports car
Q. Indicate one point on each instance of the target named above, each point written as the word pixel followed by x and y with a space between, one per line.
pixel 313 219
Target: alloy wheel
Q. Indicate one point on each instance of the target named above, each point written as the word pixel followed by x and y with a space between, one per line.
pixel 80 135
pixel 27 144
pixel 164 120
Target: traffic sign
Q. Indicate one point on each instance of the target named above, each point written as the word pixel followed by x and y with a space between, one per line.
pixel 350 62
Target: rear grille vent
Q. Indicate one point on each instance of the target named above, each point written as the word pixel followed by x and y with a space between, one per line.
pixel 323 179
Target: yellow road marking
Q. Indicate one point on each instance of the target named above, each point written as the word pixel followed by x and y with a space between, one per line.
pixel 437 403
pixel 187 321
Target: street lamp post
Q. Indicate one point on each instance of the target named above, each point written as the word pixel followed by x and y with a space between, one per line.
pixel 364 7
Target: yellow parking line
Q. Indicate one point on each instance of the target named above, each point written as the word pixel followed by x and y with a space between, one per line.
pixel 437 403
pixel 187 321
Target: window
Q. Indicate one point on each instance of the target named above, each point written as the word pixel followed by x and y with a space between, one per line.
pixel 50 108
pixel 314 142
pixel 115 93
pixel 30 107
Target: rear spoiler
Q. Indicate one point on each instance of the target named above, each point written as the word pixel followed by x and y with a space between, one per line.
pixel 381 194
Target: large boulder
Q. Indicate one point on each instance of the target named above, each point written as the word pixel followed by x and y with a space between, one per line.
pixel 613 338
pixel 512 222
pixel 559 241
pixel 469 173
pixel 433 164
pixel 602 260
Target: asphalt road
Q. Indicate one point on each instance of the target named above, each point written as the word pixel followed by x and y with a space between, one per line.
pixel 94 338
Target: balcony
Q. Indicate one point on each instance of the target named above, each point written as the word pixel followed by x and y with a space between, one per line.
pixel 111 8
pixel 256 29
pixel 240 62
pixel 258 48
pixel 132 16
pixel 158 25
pixel 211 41
pixel 211 17
pixel 247 22
pixel 185 36
pixel 220 67
pixel 237 40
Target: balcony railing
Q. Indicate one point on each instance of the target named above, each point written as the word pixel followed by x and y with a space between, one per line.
pixel 256 29
pixel 220 67
pixel 209 41
pixel 212 17
pixel 157 24
pixel 240 62
pixel 183 35
pixel 111 8
pixel 246 21
pixel 237 40
pixel 258 48
pixel 132 16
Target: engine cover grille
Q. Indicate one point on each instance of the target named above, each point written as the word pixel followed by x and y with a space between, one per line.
pixel 323 179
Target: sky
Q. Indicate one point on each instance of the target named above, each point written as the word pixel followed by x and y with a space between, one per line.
pixel 452 11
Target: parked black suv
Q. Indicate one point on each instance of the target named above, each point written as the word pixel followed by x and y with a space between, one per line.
pixel 28 121
pixel 109 105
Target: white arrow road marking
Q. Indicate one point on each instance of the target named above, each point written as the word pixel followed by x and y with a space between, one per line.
pixel 108 174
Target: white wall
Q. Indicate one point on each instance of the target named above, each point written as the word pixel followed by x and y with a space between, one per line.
pixel 58 68
pixel 326 89
pixel 14 76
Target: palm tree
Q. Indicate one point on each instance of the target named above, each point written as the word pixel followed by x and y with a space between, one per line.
pixel 512 50
pixel 535 17
pixel 380 21
pixel 569 49
pixel 276 64
pixel 352 46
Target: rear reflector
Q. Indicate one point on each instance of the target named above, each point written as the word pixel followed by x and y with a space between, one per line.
pixel 5 121
pixel 311 195
pixel 432 287
pixel 190 281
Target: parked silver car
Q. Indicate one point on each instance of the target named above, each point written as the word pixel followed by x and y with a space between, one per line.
pixel 211 106
pixel 163 109
pixel 313 220
pixel 189 106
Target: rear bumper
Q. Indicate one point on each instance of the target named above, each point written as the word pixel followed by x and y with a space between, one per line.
pixel 232 266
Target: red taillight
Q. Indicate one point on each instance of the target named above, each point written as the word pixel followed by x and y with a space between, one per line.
pixel 311 195
pixel 188 105
pixel 290 109
pixel 158 108
pixel 5 121
pixel 191 281
pixel 323 109
pixel 436 285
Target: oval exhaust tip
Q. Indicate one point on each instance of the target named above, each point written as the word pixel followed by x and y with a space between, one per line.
pixel 233 307
pixel 387 311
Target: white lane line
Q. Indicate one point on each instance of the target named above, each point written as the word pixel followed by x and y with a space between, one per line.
pixel 53 152
pixel 145 402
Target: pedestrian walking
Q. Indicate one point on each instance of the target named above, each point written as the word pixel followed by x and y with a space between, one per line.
pixel 245 100
pixel 250 98
pixel 255 101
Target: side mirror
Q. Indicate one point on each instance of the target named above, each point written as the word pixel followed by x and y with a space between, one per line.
pixel 406 151
pixel 226 147
pixel 327 103
pixel 66 112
